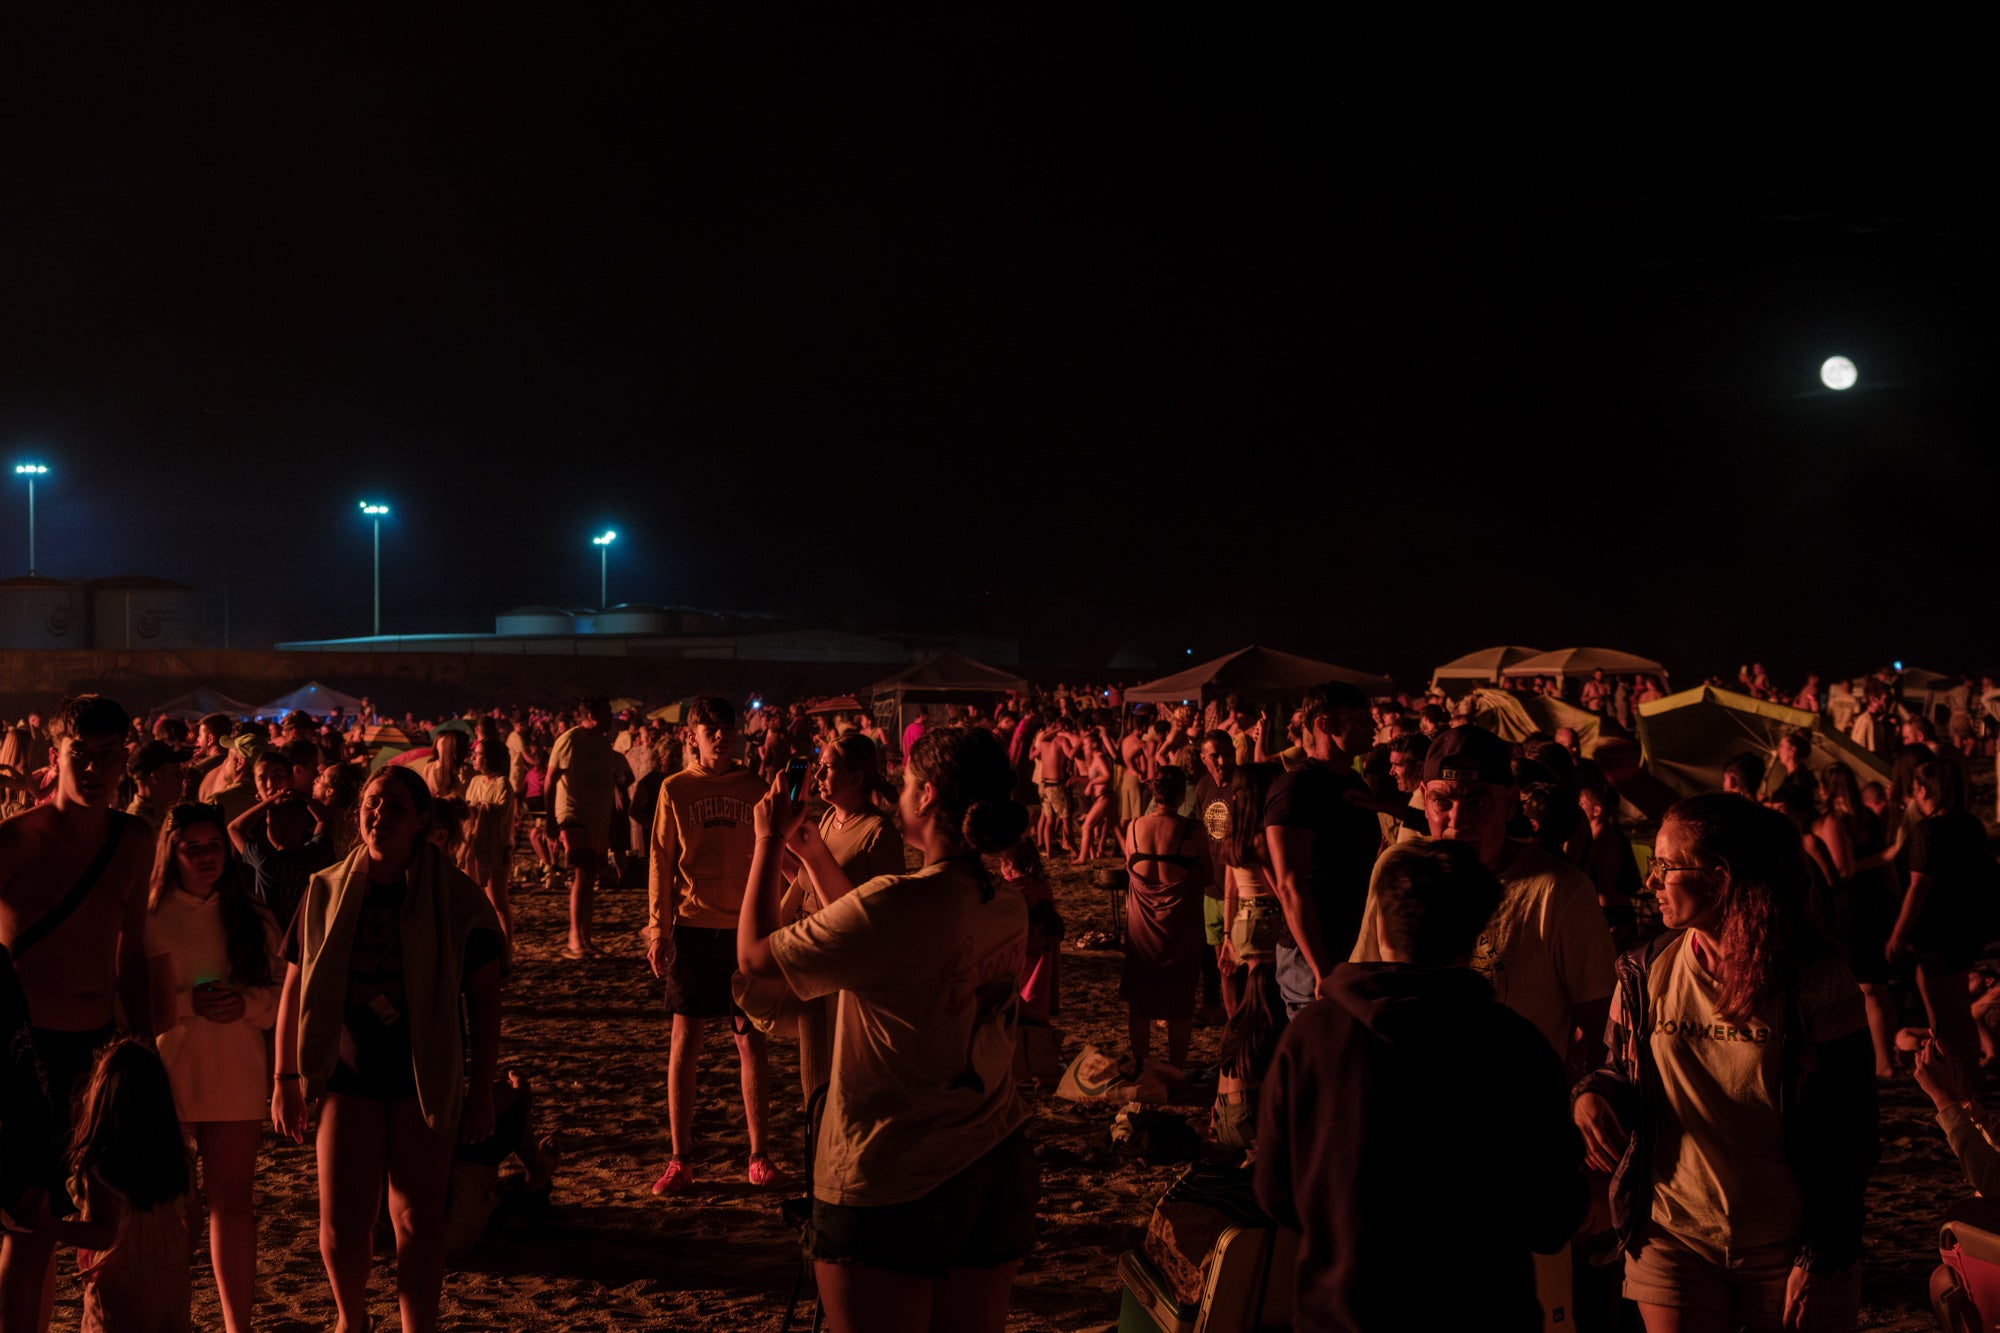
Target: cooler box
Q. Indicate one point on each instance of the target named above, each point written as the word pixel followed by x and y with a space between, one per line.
pixel 1242 1295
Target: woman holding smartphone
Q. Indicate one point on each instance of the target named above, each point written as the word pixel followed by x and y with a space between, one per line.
pixel 215 952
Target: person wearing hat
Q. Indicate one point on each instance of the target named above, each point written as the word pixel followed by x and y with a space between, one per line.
pixel 1546 950
pixel 232 785
pixel 157 776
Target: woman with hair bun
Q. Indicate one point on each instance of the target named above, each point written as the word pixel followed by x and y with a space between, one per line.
pixel 1166 864
pixel 924 1186
pixel 1736 1109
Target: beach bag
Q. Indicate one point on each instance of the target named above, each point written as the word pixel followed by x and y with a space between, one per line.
pixel 1091 1077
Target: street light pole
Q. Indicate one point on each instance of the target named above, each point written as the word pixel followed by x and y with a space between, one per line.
pixel 603 545
pixel 375 512
pixel 30 471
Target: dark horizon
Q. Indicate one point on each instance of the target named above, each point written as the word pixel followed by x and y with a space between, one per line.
pixel 1182 334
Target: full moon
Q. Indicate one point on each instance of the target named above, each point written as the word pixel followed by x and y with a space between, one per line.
pixel 1838 373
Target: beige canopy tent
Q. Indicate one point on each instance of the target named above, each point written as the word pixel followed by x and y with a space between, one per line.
pixel 948 678
pixel 1582 661
pixel 1253 672
pixel 1686 738
pixel 1515 717
pixel 1483 666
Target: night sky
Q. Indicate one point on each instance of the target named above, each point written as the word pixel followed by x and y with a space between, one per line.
pixel 1180 329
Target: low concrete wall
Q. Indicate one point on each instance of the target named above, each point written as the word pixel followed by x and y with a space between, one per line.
pixel 424 683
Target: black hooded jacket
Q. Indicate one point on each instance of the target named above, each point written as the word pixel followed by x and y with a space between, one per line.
pixel 1417 1134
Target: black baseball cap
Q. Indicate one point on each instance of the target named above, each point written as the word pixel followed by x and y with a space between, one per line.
pixel 154 756
pixel 1469 754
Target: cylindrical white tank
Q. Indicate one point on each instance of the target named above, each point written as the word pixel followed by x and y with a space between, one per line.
pixel 633 618
pixel 136 612
pixel 42 613
pixel 534 620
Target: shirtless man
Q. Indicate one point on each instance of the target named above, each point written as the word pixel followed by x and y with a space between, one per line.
pixel 1053 749
pixel 1597 694
pixel 1136 756
pixel 76 965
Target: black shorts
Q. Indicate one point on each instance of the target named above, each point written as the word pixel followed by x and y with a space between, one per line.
pixel 981 1218
pixel 67 1061
pixel 698 978
pixel 1863 915
pixel 580 846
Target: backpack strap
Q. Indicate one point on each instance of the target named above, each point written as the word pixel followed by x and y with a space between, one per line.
pixel 45 925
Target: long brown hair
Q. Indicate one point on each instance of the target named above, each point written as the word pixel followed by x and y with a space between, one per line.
pixel 1767 926
pixel 127 1130
pixel 1249 788
pixel 245 920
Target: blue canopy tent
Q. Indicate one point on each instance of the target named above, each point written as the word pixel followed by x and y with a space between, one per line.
pixel 314 698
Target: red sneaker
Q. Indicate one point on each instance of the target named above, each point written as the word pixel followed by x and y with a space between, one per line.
pixel 675 1179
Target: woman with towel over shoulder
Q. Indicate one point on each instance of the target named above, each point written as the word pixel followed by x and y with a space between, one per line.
pixel 383 946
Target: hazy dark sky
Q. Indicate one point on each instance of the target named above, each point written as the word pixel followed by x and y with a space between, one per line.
pixel 1185 329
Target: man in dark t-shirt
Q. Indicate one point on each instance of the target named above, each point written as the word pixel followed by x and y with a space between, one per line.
pixel 1321 843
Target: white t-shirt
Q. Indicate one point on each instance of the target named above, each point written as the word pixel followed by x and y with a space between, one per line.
pixel 1546 948
pixel 929 984
pixel 589 790
pixel 1720 1170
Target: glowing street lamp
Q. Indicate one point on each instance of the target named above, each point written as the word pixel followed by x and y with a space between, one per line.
pixel 31 471
pixel 375 512
pixel 603 545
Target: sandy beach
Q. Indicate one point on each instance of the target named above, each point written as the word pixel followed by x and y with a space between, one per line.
pixel 592 1037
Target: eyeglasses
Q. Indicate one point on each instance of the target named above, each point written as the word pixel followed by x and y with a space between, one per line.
pixel 1659 870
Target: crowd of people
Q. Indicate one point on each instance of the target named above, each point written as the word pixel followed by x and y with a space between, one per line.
pixel 1394 914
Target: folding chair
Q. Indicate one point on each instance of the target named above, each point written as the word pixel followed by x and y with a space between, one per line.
pixel 799 1213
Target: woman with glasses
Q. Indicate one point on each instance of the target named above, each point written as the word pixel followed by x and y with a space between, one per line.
pixel 1736 1107
pixel 215 951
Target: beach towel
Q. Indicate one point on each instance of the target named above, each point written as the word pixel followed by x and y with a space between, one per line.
pixel 441 908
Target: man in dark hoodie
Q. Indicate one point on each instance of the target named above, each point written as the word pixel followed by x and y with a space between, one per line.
pixel 1414 1130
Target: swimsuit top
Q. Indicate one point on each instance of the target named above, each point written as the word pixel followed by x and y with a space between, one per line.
pixel 1164 858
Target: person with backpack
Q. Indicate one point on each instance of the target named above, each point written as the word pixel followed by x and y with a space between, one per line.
pixel 1736 1107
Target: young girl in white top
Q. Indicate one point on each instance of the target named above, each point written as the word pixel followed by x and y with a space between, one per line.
pixel 215 948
